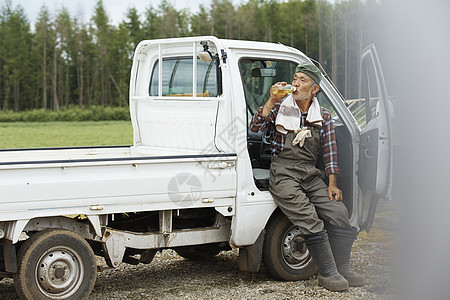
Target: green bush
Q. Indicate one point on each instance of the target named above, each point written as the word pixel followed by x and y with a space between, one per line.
pixel 94 113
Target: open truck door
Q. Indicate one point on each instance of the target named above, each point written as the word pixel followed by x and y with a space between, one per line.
pixel 371 111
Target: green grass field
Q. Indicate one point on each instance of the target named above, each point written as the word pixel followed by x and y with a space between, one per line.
pixel 65 134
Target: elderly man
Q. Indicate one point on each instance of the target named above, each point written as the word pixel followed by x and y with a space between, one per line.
pixel 302 128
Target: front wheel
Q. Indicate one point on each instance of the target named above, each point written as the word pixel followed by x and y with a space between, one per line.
pixel 285 254
pixel 55 264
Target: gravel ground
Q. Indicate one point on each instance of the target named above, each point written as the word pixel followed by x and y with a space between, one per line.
pixel 171 277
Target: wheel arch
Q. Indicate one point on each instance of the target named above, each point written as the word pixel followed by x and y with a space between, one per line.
pixel 275 213
pixel 250 257
pixel 248 223
pixel 88 230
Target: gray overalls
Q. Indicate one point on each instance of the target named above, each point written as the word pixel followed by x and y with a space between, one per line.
pixel 298 188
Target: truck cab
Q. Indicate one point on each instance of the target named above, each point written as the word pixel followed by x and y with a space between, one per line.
pixel 203 98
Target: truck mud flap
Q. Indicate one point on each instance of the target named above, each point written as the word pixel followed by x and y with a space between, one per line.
pixel 250 256
pixel 9 255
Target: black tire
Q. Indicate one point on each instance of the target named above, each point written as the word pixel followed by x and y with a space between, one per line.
pixel 198 252
pixel 285 254
pixel 55 264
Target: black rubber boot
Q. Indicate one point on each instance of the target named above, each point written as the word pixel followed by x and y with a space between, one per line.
pixel 320 250
pixel 341 242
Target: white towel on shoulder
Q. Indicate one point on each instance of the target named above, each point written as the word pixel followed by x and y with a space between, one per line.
pixel 288 118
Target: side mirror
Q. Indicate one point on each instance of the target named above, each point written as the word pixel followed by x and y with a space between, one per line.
pixel 205 55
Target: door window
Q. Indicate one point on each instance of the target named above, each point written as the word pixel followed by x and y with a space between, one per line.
pixel 177 75
pixel 325 102
pixel 259 75
pixel 366 107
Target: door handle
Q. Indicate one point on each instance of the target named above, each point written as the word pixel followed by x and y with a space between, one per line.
pixel 219 165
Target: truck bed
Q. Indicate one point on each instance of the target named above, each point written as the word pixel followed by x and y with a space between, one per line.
pixel 37 155
pixel 112 179
pixel 28 156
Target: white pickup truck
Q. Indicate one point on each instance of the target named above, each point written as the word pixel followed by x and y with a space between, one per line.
pixel 195 179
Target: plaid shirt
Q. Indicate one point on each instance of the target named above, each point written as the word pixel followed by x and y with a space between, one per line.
pixel 327 137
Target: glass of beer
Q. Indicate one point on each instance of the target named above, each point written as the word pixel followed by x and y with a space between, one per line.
pixel 278 89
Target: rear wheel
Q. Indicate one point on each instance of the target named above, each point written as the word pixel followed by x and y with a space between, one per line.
pixel 55 264
pixel 285 254
pixel 198 252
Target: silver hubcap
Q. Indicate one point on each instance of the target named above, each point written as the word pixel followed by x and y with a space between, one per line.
pixel 59 272
pixel 294 251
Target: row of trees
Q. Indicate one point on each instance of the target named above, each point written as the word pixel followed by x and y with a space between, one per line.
pixel 60 61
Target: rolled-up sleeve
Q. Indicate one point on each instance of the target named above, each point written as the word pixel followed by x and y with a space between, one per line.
pixel 260 122
pixel 329 146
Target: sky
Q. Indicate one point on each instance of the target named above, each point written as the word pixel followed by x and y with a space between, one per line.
pixel 83 9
